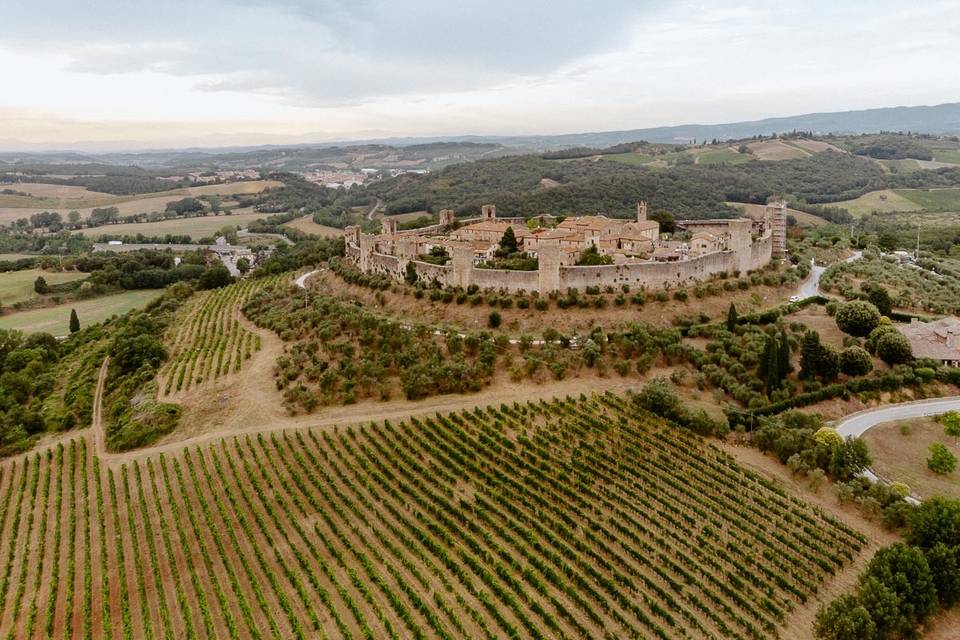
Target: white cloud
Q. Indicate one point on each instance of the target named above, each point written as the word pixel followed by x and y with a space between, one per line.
pixel 337 69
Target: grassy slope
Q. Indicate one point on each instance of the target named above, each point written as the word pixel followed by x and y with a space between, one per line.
pixel 933 200
pixel 903 458
pixel 17 286
pixel 55 320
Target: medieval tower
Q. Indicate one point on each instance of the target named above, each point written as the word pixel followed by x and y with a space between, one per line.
pixel 777 212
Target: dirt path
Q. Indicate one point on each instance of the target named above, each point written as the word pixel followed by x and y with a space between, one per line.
pixel 97 434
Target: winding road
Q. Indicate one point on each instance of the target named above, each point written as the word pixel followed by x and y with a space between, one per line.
pixel 856 424
pixel 811 286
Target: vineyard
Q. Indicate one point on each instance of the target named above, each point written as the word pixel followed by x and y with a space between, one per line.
pixel 565 519
pixel 209 342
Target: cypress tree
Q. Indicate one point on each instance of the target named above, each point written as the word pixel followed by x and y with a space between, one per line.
pixel 784 368
pixel 74 321
pixel 732 318
pixel 810 355
pixel 771 364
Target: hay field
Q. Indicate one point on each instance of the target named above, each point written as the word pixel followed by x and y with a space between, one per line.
pixel 815 146
pixel 129 205
pixel 17 286
pixel 307 225
pixel 933 199
pixel 56 320
pixel 723 156
pixel 198 227
pixel 776 150
pixel 757 210
pixel 883 201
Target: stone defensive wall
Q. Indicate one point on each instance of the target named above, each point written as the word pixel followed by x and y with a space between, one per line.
pixel 743 253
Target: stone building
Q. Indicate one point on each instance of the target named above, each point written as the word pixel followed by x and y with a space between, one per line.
pixel 640 256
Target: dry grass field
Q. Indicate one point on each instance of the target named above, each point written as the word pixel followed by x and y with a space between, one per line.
pixel 757 211
pixel 307 225
pixel 815 146
pixel 522 521
pixel 128 205
pixel 775 150
pixel 902 457
pixel 198 227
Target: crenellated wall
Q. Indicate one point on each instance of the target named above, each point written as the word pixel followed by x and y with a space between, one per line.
pixel 742 254
pixel 651 275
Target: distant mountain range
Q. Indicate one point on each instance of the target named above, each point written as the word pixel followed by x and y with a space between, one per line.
pixel 943 119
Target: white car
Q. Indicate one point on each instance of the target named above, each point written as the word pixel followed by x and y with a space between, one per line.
pixel 794 298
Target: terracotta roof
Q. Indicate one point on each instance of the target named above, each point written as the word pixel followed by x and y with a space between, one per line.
pixel 594 223
pixel 495 225
pixel 939 340
pixel 547 234
pixel 643 224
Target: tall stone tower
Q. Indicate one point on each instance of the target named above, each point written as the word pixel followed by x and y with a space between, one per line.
pixel 367 243
pixel 389 225
pixel 462 265
pixel 488 212
pixel 778 228
pixel 642 211
pixel 446 217
pixel 740 240
pixel 548 258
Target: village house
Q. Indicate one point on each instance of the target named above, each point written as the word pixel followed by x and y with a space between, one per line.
pixel 938 340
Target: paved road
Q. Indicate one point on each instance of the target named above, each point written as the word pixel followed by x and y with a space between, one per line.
pixel 302 280
pixel 811 286
pixel 856 424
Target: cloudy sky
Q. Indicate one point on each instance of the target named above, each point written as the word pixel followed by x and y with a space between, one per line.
pixel 102 74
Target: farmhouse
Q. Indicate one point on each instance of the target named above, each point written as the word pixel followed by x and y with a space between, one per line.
pixel 636 253
pixel 938 340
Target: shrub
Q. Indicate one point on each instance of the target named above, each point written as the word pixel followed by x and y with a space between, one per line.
pixel 894 348
pixel 941 460
pixel 858 318
pixel 494 320
pixel 855 361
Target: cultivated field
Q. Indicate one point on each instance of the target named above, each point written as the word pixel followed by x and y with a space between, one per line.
pixel 11 257
pixel 900 450
pixel 307 225
pixel 129 205
pixel 758 210
pixel 775 150
pixel 563 519
pixel 883 201
pixel 209 342
pixel 815 146
pixel 17 286
pixel 56 320
pixel 723 156
pixel 933 199
pixel 197 227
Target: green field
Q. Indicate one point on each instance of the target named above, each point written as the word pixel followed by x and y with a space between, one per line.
pixel 883 201
pixel 947 155
pixel 934 199
pixel 12 257
pixel 723 156
pixel 635 159
pixel 55 320
pixel 194 227
pixel 17 286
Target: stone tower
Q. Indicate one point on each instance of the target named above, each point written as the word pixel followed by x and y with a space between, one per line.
pixel 642 211
pixel 488 212
pixel 352 235
pixel 548 258
pixel 462 264
pixel 367 243
pixel 741 239
pixel 778 228
pixel 389 225
pixel 446 217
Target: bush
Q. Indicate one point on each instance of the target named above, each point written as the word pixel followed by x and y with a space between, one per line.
pixel 894 348
pixel 941 460
pixel 858 318
pixel 494 320
pixel 855 361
